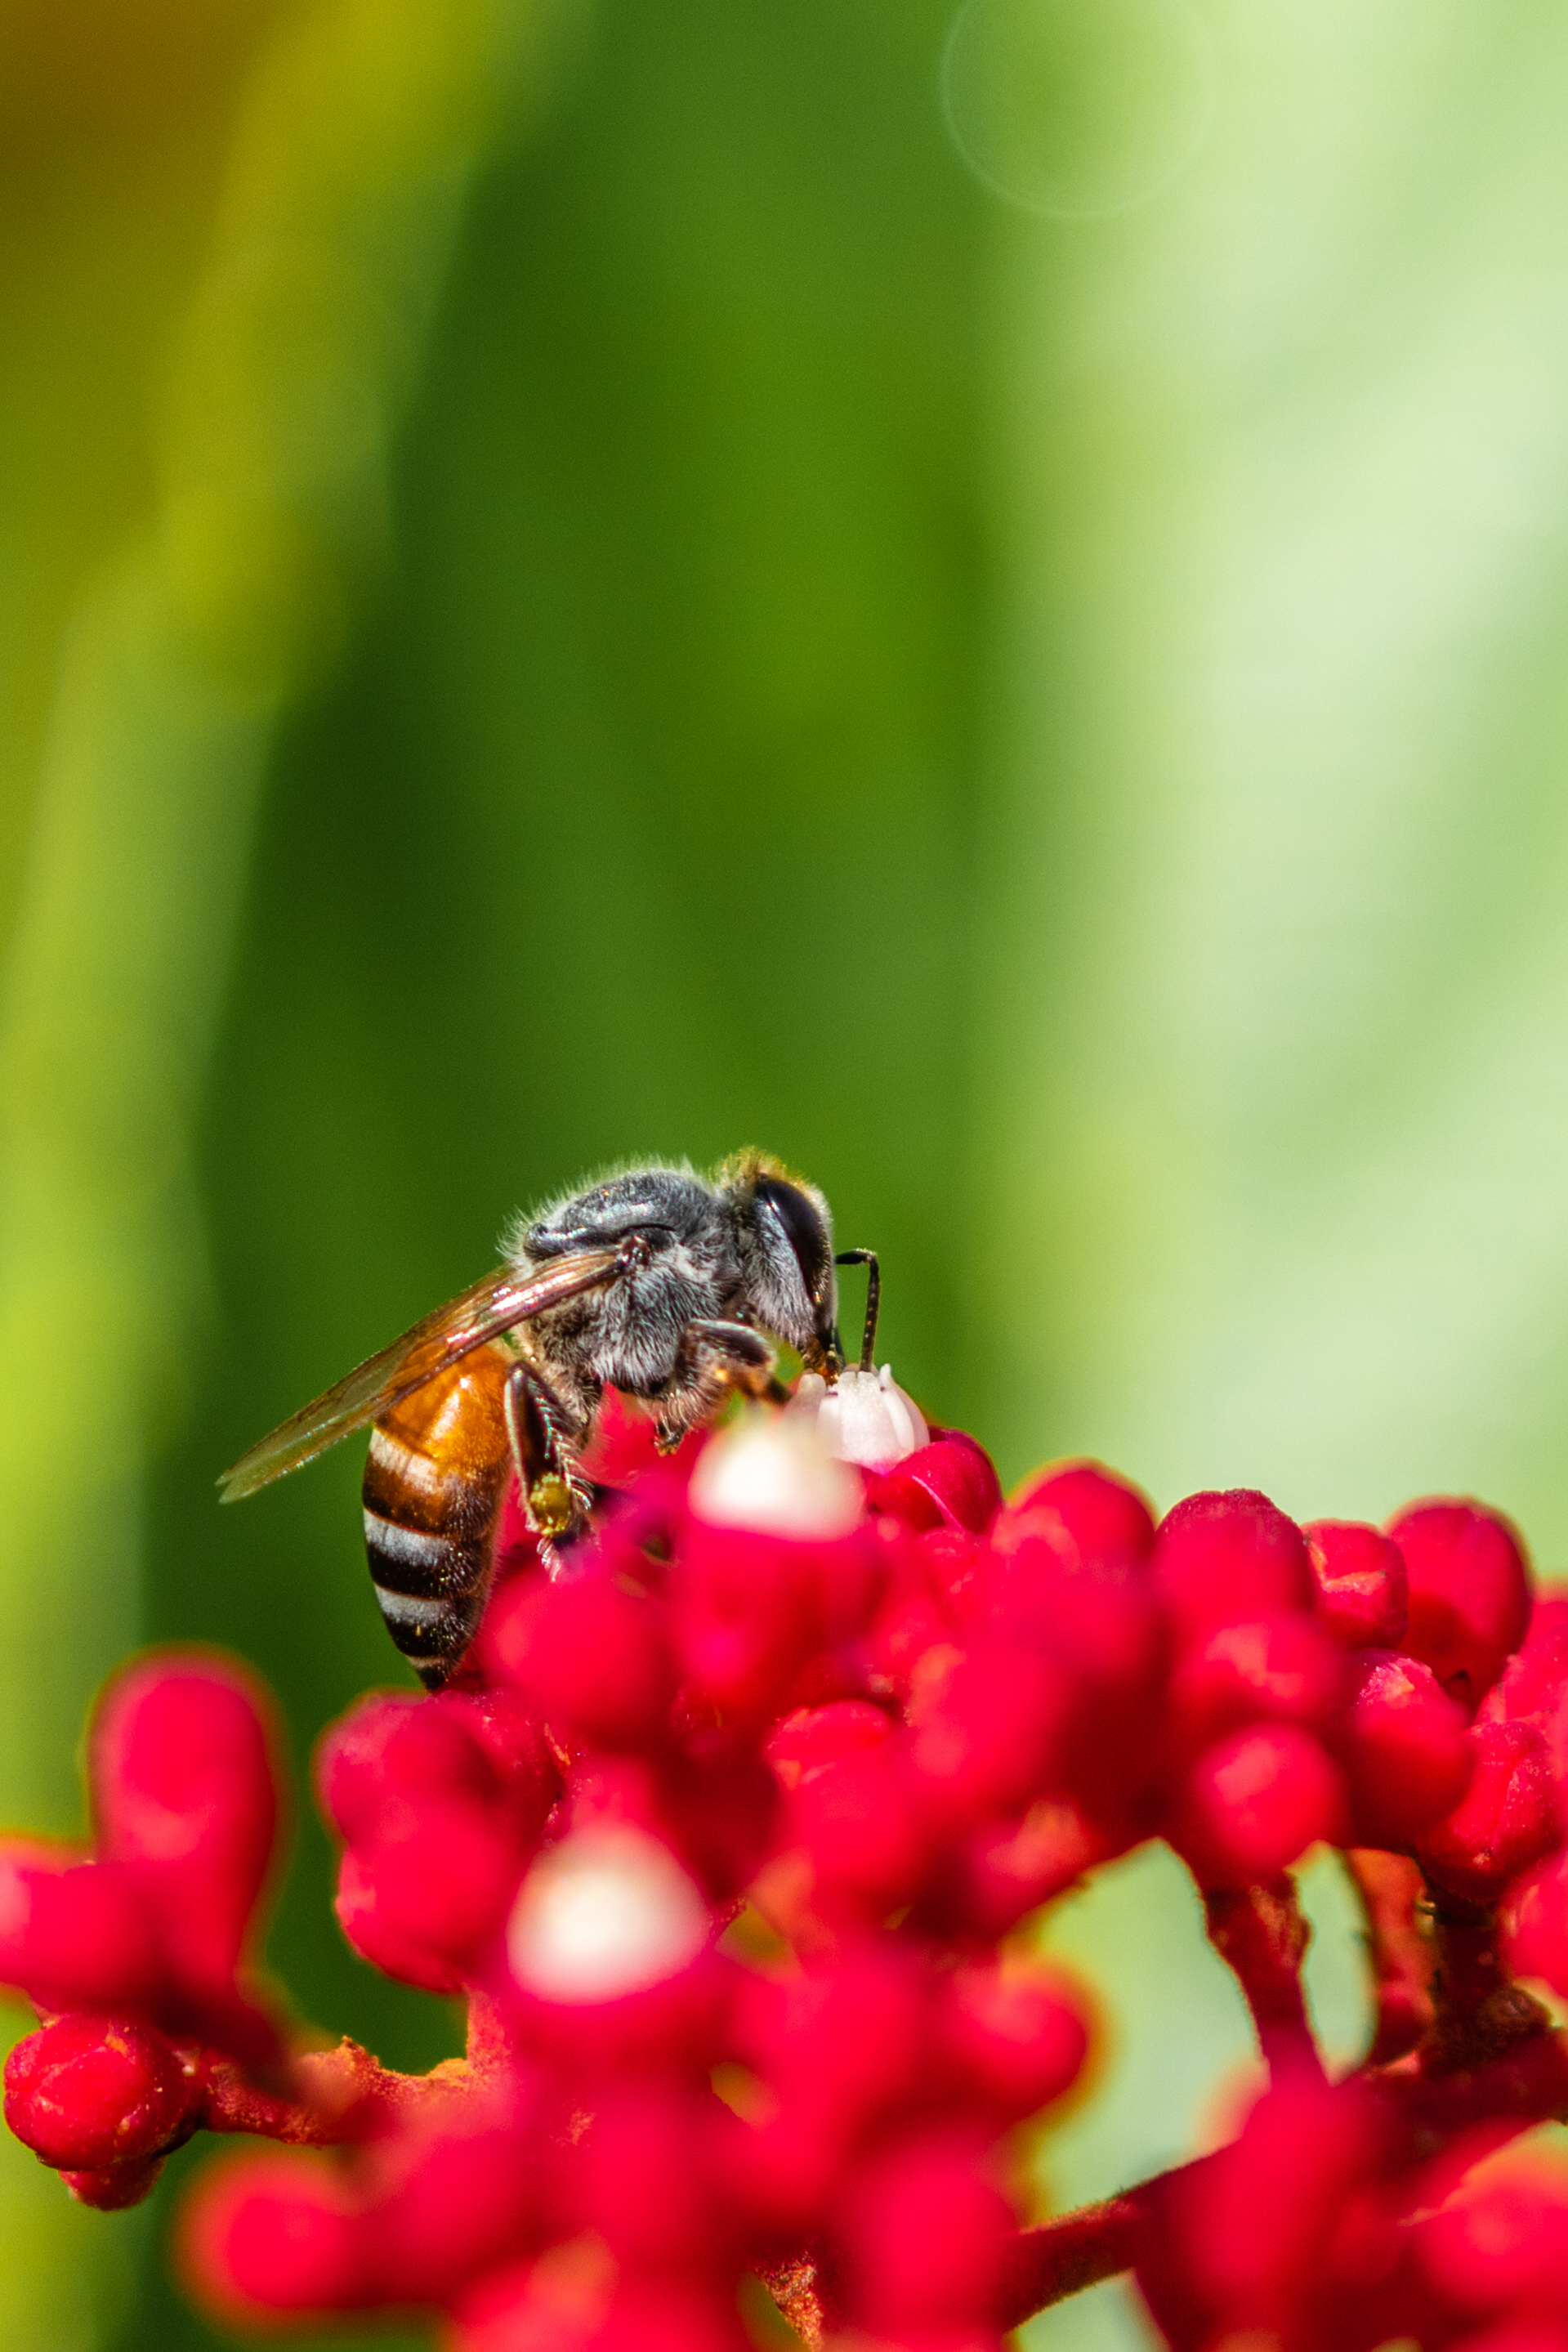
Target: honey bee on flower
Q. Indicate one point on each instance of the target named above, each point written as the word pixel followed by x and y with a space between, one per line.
pixel 655 1281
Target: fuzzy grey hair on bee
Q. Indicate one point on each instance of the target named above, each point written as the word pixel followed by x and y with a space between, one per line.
pixel 714 1269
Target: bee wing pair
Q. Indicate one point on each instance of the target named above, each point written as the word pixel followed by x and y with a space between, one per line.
pixel 499 1303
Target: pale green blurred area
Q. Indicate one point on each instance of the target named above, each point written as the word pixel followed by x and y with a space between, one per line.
pixel 974 596
pixel 1281 1159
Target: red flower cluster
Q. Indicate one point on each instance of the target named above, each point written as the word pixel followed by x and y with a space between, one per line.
pixel 1321 2225
pixel 138 1954
pixel 727 1833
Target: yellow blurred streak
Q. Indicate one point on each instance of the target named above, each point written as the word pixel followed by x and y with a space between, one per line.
pixel 211 568
pixel 115 120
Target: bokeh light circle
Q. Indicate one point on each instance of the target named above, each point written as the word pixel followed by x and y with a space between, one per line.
pixel 1076 108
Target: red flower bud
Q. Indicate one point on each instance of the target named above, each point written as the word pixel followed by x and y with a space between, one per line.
pixel 846 2040
pixel 1254 1802
pixel 924 2233
pixel 1018 2034
pixel 715 1800
pixel 1516 2335
pixel 1508 1819
pixel 272 2233
pixel 84 1937
pixel 1087 1513
pixel 88 2093
pixel 993 1734
pixel 1221 1559
pixel 651 2175
pixel 423 1911
pixel 1279 1668
pixel 394 1755
pixel 1503 2238
pixel 182 1773
pixel 457 2196
pixel 1098 1624
pixel 916 1614
pixel 950 1482
pixel 1534 1684
pixel 865 1821
pixel 855 1805
pixel 1246 2241
pixel 115 2186
pixel 410 2224
pixel 1404 1749
pixel 811 1738
pixel 750 1609
pixel 1362 1590
pixel 1005 1869
pixel 1098 1616
pixel 657 2314
pixel 1469 1593
pixel 184 1792
pixel 894 1716
pixel 593 1657
pixel 437 1835
pixel 1537 1923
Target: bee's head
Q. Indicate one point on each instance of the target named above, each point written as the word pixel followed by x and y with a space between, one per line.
pixel 790 1277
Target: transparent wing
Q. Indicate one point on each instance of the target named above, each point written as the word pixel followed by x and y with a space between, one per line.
pixel 499 1303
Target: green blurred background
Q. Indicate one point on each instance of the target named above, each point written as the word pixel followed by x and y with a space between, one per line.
pixel 976 599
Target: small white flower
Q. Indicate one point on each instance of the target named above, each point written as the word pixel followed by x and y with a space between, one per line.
pixel 607 1912
pixel 864 1417
pixel 772 1474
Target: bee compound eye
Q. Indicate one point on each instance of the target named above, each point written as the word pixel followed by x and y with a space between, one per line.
pixel 803 1229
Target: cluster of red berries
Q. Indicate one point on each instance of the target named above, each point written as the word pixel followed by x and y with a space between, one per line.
pixel 728 1832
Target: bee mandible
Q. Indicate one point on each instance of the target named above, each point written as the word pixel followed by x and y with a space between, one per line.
pixel 660 1283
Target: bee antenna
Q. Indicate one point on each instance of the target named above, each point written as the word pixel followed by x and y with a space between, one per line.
pixel 873 1299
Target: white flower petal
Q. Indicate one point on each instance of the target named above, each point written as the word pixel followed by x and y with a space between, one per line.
pixel 605 1913
pixel 773 1474
pixel 864 1417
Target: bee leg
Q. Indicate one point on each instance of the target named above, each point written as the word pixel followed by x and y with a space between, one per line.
pixel 556 1497
pixel 716 1359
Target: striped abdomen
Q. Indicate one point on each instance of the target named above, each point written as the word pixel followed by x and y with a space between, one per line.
pixel 436 1471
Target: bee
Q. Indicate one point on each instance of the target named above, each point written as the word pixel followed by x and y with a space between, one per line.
pixel 660 1283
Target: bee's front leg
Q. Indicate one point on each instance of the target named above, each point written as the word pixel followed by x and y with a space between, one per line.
pixel 545 1437
pixel 716 1361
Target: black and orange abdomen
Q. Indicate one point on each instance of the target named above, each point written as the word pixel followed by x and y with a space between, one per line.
pixel 434 1477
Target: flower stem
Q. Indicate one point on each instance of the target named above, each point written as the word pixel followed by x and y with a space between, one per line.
pixel 1392 1894
pixel 1262 1935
